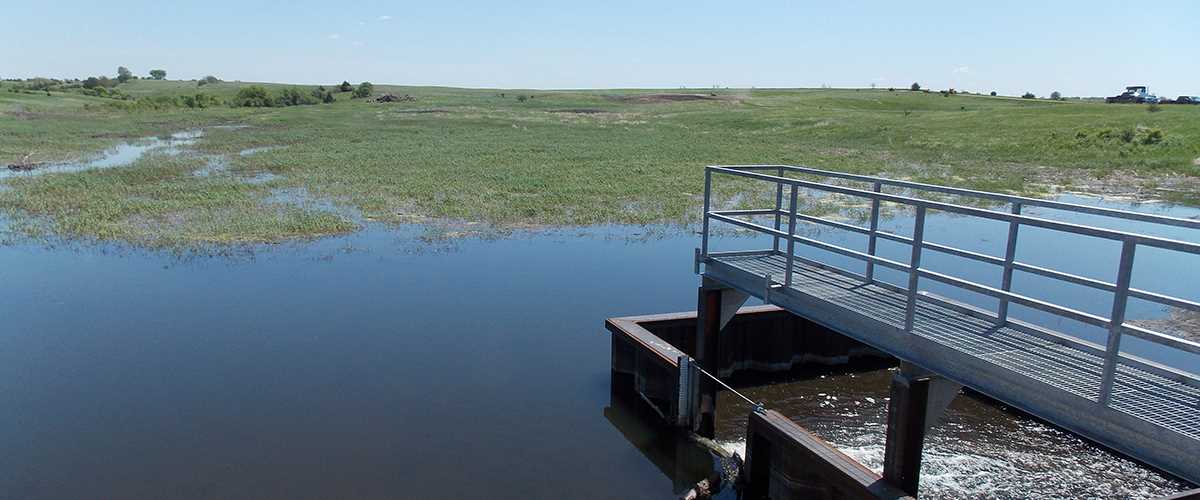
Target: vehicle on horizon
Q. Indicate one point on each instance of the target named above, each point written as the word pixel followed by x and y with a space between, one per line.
pixel 1137 94
pixel 1187 99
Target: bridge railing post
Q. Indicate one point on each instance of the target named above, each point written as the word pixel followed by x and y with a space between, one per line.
pixel 778 207
pixel 1116 322
pixel 914 270
pixel 871 236
pixel 1010 255
pixel 791 243
pixel 707 207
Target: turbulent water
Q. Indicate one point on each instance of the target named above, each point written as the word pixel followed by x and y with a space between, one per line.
pixel 980 449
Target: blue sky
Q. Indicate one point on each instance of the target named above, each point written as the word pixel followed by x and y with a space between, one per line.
pixel 1076 47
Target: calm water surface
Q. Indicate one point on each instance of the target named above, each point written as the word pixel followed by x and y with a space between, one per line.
pixel 378 365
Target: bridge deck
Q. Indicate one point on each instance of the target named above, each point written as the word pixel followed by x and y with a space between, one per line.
pixel 1164 402
pixel 1143 409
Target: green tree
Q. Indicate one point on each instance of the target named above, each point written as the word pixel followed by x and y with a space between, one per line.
pixel 364 90
pixel 123 74
pixel 345 87
pixel 158 74
pixel 327 98
pixel 1028 95
pixel 1056 95
pixel 208 80
pixel 915 87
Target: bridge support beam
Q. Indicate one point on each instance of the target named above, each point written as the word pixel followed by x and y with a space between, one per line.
pixel 918 399
pixel 716 305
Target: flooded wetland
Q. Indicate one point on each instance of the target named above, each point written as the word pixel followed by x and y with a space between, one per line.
pixel 383 363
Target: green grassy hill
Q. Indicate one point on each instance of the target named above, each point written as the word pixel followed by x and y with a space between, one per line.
pixel 559 157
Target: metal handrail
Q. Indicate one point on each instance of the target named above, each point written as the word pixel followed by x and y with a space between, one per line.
pixel 1122 291
pixel 1024 200
pixel 1141 239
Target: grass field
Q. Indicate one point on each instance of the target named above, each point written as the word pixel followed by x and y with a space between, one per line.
pixel 558 158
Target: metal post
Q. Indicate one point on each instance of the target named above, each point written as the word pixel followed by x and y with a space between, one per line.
pixel 914 268
pixel 791 243
pixel 707 202
pixel 871 238
pixel 1116 320
pixel 1010 255
pixel 778 207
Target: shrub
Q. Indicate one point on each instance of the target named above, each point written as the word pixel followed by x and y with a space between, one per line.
pixel 208 80
pixel 123 74
pixel 158 74
pixel 364 90
pixel 993 93
pixel 93 82
pixel 1028 95
pixel 1056 96
pixel 345 87
pixel 1147 136
pixel 1154 108
pixel 521 98
pixel 293 97
pixel 915 86
pixel 200 101
pixel 254 96
pixel 327 98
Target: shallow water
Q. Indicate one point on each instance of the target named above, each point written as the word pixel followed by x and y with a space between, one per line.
pixel 121 155
pixel 381 364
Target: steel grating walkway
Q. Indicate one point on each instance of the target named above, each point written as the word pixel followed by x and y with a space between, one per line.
pixel 1164 402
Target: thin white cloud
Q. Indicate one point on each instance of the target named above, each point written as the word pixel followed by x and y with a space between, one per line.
pixel 962 69
pixel 334 36
pixel 385 18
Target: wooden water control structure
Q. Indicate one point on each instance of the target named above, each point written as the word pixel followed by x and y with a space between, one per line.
pixel 1138 407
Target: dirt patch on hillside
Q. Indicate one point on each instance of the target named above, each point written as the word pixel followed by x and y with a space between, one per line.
pixel 663 98
pixel 578 111
pixel 420 111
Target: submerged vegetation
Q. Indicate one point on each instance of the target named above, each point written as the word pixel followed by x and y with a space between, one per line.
pixel 519 157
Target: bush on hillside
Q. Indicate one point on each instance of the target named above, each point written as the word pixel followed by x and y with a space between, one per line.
pixel 915 87
pixel 1028 95
pixel 1056 96
pixel 158 74
pixel 123 74
pixel 993 93
pixel 345 87
pixel 253 96
pixel 208 80
pixel 364 90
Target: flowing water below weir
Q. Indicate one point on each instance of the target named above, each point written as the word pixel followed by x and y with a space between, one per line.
pixel 387 363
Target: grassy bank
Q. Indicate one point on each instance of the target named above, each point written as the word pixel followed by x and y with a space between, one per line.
pixel 511 157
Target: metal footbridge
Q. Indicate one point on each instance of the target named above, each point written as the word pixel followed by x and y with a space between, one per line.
pixel 1143 408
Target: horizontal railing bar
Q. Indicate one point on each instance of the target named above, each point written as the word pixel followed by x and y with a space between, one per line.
pixel 1166 243
pixel 1162 338
pixel 811 242
pixel 1068 277
pixel 756 211
pixel 1165 299
pixel 981 257
pixel 1066 312
pixel 1057 205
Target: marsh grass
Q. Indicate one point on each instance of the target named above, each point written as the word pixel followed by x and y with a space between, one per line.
pixel 559 158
